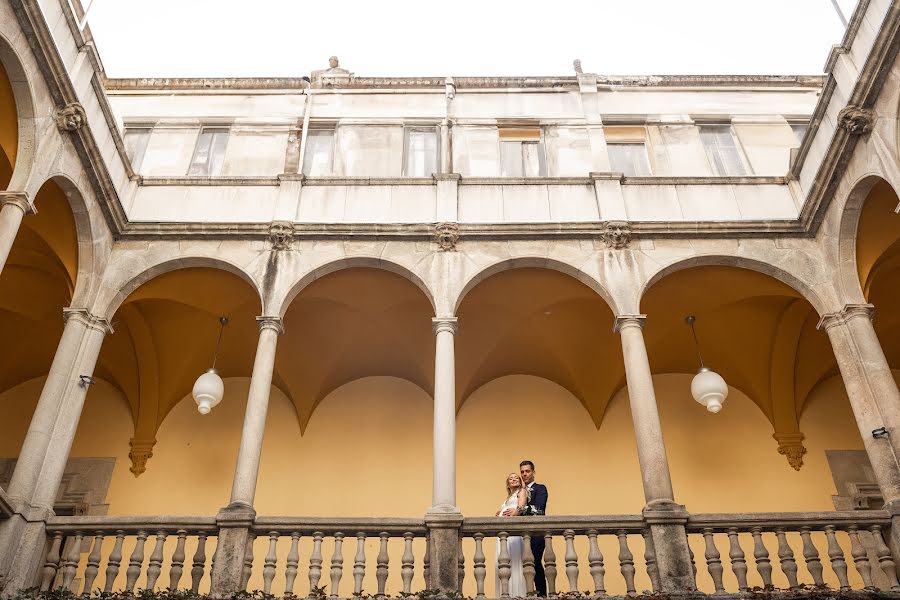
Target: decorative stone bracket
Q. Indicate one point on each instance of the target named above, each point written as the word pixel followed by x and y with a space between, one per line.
pixel 70 117
pixel 446 235
pixel 856 120
pixel 790 445
pixel 141 451
pixel 281 235
pixel 616 234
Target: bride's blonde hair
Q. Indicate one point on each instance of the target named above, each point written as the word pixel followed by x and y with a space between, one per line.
pixel 506 483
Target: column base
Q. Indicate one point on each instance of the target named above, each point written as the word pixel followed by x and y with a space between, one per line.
pixel 23 545
pixel 235 522
pixel 666 521
pixel 443 543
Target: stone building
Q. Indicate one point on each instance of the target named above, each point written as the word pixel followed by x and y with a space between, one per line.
pixel 426 281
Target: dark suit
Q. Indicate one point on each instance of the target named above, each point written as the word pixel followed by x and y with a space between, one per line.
pixel 538 499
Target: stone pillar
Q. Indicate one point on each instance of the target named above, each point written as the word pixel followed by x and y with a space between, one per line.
pixel 13 208
pixel 44 453
pixel 872 391
pixel 236 519
pixel 665 518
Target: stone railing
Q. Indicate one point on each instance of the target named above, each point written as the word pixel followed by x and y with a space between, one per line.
pixel 597 554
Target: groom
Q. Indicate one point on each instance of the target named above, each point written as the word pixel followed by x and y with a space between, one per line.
pixel 537 504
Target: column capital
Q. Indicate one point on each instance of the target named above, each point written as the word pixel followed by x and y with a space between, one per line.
pixel 273 323
pixel 440 324
pixel 849 312
pixel 88 319
pixel 623 321
pixel 17 199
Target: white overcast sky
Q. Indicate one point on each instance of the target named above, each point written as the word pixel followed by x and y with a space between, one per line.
pixel 290 38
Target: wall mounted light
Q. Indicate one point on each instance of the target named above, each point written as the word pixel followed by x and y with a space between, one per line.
pixel 209 387
pixel 708 388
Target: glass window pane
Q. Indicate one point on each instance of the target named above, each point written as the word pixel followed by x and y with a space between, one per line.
pixel 799 131
pixel 136 140
pixel 319 153
pixel 629 159
pixel 200 162
pixel 217 152
pixel 511 159
pixel 209 154
pixel 532 159
pixel 421 153
pixel 721 150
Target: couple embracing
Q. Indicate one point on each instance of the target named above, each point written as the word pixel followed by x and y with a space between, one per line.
pixel 524 497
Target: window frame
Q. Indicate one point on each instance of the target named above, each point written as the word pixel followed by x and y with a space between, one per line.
pixel 434 130
pixel 320 126
pixel 136 161
pixel 540 144
pixel 736 142
pixel 214 129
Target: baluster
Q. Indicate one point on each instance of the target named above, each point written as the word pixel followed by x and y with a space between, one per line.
pixel 381 564
pixel 177 566
pixel 713 560
pixel 198 563
pixel 528 564
pixel 860 557
pixel 315 563
pixel 337 564
pixel 51 562
pixel 136 562
pixel 426 563
pixel 479 570
pixel 93 564
pixel 626 561
pixel 595 563
pixel 885 560
pixel 811 558
pixel 550 565
pixel 761 558
pixel 460 567
pixel 270 562
pixel 687 540
pixel 359 564
pixel 70 566
pixel 156 558
pixel 115 559
pixel 247 570
pixel 836 556
pixel 737 557
pixel 649 560
pixel 786 557
pixel 571 560
pixel 504 569
pixel 293 562
pixel 407 562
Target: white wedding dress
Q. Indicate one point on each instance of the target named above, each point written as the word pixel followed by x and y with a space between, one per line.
pixel 517 575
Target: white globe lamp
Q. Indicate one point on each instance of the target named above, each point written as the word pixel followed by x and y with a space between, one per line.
pixel 209 387
pixel 708 388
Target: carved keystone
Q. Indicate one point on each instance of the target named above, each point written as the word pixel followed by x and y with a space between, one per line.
pixel 446 236
pixel 616 234
pixel 790 445
pixel 856 120
pixel 281 235
pixel 141 451
pixel 70 117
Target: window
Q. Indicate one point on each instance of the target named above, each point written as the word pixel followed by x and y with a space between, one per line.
pixel 721 150
pixel 420 152
pixel 136 139
pixel 318 156
pixel 522 152
pixel 209 154
pixel 799 128
pixel 628 158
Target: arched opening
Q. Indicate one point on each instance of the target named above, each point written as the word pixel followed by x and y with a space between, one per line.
pixel 16 120
pixel 9 129
pixel 761 336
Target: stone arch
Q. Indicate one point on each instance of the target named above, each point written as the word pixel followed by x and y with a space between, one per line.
pixel 848 231
pixel 742 262
pixel 25 114
pixel 349 263
pixel 536 263
pixel 175 264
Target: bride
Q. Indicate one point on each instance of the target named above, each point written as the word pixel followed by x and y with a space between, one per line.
pixel 516 498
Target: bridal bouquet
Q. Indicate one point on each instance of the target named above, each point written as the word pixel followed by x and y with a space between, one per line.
pixel 530 511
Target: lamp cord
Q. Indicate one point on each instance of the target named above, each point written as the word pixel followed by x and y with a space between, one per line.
pixel 690 322
pixel 222 322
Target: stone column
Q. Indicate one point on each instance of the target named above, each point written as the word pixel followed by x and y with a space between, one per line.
pixel 42 460
pixel 443 518
pixel 665 518
pixel 13 208
pixel 236 519
pixel 872 391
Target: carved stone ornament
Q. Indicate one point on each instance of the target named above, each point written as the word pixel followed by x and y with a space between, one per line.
pixel 281 235
pixel 141 451
pixel 790 445
pixel 446 235
pixel 616 234
pixel 856 120
pixel 70 117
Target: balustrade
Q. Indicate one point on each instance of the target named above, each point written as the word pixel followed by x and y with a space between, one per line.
pixel 597 555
